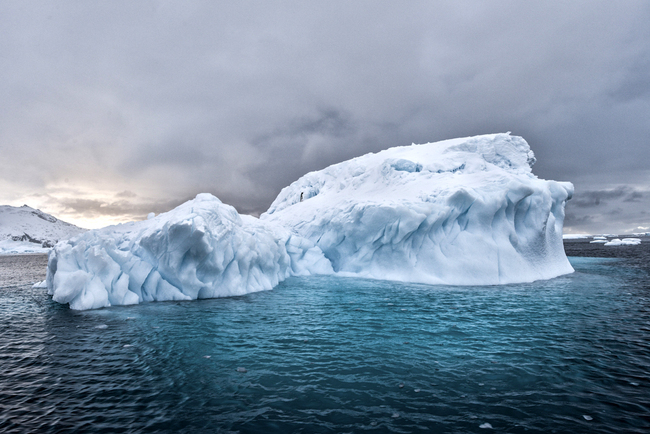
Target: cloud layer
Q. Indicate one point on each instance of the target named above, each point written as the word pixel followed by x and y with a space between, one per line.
pixel 166 99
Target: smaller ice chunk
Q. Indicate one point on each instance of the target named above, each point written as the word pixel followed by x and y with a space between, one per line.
pixel 201 249
pixel 624 242
pixel 575 236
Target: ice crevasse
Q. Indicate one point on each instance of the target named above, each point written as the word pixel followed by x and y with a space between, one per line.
pixel 463 212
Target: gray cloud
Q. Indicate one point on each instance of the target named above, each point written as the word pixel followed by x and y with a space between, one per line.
pixel 166 100
pixel 126 194
pixel 89 208
pixel 609 210
pixel 595 198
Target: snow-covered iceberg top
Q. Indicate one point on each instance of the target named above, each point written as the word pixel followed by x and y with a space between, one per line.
pixel 463 211
pixel 202 249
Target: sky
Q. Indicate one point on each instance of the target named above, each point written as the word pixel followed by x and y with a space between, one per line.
pixel 113 109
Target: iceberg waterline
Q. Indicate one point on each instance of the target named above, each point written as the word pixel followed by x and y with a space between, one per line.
pixel 461 212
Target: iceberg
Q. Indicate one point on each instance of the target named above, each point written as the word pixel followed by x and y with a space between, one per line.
pixel 576 236
pixel 623 242
pixel 462 212
pixel 201 249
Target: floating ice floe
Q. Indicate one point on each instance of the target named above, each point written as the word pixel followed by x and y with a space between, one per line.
pixel 624 242
pixel 576 236
pixel 463 212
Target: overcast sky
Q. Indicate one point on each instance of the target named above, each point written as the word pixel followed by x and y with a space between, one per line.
pixel 110 110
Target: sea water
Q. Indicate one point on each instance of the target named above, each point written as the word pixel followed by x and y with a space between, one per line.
pixel 336 355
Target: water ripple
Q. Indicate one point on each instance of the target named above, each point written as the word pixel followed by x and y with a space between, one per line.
pixel 336 355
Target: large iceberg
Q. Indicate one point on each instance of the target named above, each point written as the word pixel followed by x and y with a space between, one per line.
pixel 464 212
pixel 202 249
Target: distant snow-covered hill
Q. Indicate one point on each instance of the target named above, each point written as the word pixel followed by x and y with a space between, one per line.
pixel 28 230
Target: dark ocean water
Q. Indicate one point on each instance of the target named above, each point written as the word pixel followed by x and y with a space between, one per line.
pixel 336 355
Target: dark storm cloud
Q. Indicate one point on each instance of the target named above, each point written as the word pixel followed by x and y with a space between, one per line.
pixel 572 220
pixel 607 210
pixel 595 198
pixel 239 99
pixel 636 81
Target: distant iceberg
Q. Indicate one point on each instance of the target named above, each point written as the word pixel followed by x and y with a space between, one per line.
pixel 623 242
pixel 463 212
pixel 576 236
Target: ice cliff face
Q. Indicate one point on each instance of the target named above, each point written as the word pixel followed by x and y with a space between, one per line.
pixel 202 249
pixel 463 212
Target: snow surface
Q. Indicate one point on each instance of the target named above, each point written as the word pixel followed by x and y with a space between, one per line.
pixel 463 212
pixel 202 249
pixel 28 230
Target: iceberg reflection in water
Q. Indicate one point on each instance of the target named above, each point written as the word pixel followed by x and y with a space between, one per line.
pixel 331 354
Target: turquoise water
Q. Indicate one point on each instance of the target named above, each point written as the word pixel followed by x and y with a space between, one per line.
pixel 324 354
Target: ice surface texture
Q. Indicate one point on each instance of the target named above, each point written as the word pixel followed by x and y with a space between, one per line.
pixel 202 249
pixel 463 211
